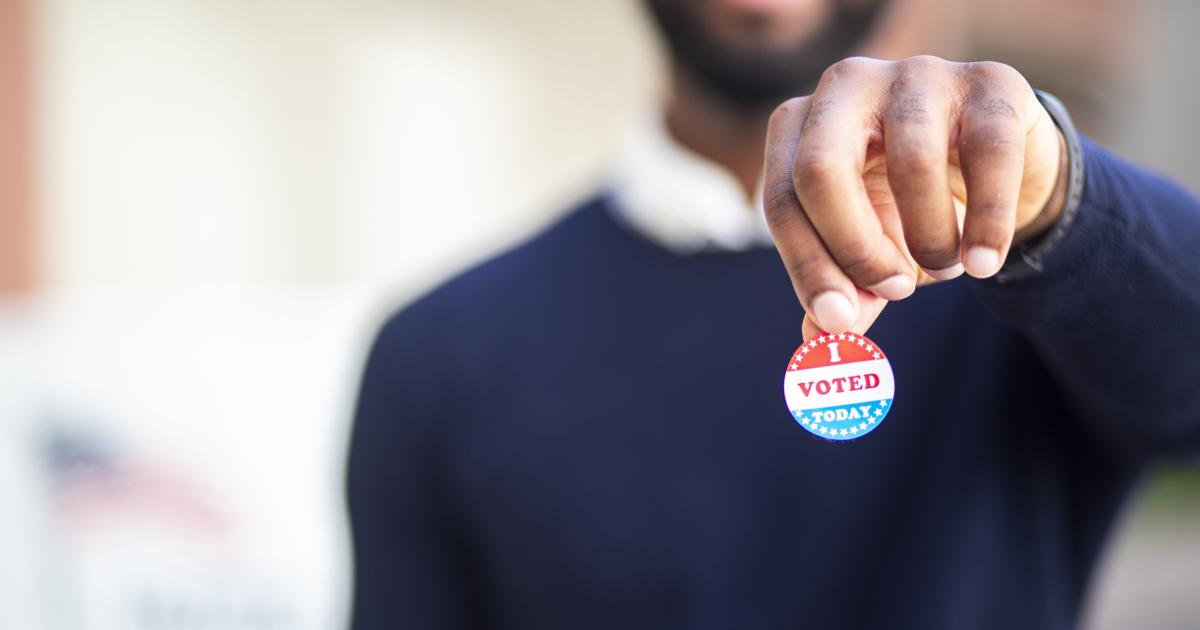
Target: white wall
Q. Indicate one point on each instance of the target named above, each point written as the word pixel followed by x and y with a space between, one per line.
pixel 267 142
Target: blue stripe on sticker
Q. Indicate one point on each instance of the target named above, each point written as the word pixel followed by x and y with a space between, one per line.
pixel 844 422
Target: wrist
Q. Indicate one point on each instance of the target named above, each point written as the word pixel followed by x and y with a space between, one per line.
pixel 1052 209
pixel 1025 259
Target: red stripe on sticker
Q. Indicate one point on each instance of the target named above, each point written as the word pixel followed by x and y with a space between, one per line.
pixel 836 349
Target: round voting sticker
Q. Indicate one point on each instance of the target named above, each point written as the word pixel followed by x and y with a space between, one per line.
pixel 839 387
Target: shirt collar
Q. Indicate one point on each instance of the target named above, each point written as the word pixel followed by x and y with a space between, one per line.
pixel 681 200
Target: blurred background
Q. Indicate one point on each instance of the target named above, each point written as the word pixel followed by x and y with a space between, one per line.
pixel 206 208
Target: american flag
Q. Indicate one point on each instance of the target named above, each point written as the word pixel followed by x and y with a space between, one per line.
pixel 95 484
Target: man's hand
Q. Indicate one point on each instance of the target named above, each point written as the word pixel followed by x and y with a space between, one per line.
pixel 894 174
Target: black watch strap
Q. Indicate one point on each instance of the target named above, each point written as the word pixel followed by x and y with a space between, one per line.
pixel 1025 260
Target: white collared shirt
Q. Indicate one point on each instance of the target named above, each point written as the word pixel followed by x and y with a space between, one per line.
pixel 683 201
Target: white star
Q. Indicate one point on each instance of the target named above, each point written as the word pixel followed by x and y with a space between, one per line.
pixel 883 403
pixel 850 336
pixel 870 347
pixel 862 425
pixel 875 354
pixel 812 344
pixel 824 429
pixel 794 365
pixel 841 336
pixel 871 420
pixel 860 341
pixel 843 432
pixel 803 420
pixel 853 430
pixel 879 412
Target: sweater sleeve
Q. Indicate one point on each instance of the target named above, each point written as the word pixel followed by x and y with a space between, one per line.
pixel 1115 313
pixel 410 568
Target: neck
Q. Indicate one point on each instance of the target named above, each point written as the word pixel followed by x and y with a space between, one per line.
pixel 716 129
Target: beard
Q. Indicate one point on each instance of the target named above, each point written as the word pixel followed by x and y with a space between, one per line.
pixel 756 78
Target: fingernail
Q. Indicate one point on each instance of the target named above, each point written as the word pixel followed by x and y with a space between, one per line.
pixel 896 287
pixel 981 262
pixel 949 273
pixel 834 313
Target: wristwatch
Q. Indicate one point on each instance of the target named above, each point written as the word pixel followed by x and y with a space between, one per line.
pixel 1025 260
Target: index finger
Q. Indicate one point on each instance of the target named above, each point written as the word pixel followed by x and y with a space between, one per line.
pixel 828 296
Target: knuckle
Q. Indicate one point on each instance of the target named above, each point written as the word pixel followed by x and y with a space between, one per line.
pixel 921 63
pixel 807 270
pixel 812 166
pixel 818 111
pixel 990 218
pixel 932 252
pixel 786 109
pixel 859 261
pixel 992 71
pixel 917 160
pixel 779 202
pixel 991 143
pixel 847 68
pixel 905 81
pixel 995 108
pixel 992 77
pixel 908 109
pixel 910 89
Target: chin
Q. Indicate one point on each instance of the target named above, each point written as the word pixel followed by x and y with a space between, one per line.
pixel 757 53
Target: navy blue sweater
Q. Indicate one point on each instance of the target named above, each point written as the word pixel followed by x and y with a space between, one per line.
pixel 589 432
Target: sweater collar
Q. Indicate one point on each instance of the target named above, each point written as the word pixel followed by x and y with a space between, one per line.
pixel 683 201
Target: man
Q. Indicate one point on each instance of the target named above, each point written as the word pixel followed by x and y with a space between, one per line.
pixel 588 432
